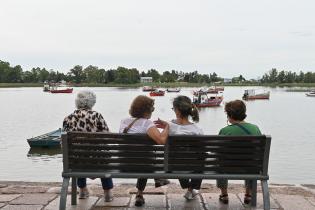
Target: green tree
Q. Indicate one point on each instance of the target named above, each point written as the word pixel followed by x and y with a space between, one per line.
pixel 77 74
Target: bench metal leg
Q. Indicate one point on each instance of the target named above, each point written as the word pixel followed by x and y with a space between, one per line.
pixel 74 191
pixel 266 196
pixel 63 194
pixel 254 192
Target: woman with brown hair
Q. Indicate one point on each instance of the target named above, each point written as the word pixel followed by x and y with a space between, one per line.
pixel 141 110
pixel 236 114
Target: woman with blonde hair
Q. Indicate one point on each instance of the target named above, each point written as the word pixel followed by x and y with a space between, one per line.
pixel 183 109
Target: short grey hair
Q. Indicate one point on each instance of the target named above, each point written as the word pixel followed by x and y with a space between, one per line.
pixel 85 99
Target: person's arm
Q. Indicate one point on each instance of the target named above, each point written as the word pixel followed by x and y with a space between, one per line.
pixel 157 136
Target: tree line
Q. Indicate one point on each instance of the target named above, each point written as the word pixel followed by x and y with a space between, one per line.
pixel 93 74
pixel 275 76
pixel 122 75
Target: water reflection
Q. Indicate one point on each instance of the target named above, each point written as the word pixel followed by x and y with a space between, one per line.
pixel 44 152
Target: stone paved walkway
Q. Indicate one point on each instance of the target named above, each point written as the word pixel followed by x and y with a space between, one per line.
pixel 45 196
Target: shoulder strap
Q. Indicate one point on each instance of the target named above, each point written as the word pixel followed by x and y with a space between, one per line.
pixel 126 129
pixel 243 128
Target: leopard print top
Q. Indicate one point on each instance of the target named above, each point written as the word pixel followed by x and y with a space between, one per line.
pixel 85 120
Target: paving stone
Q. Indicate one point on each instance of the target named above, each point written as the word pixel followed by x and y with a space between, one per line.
pixel 22 207
pixel 150 190
pixel 293 202
pixel 57 190
pixel 177 201
pixel 117 202
pixel 8 197
pixel 29 199
pixel 21 189
pixel 2 204
pixel 260 203
pixel 82 204
pixel 151 201
pixel 212 202
pixel 311 199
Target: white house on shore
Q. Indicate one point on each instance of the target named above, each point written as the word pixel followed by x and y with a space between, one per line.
pixel 226 80
pixel 146 79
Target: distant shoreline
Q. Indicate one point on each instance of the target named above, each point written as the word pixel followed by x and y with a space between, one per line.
pixel 163 85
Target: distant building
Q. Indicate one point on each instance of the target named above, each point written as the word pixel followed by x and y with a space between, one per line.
pixel 146 79
pixel 226 80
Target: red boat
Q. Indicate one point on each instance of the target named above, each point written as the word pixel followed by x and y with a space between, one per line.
pixel 203 100
pixel 60 88
pixel 67 90
pixel 157 93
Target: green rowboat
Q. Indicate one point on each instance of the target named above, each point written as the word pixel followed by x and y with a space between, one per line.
pixel 51 139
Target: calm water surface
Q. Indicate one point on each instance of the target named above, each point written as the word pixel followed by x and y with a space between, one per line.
pixel 288 117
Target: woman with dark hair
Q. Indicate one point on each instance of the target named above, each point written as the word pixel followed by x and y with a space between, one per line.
pixel 184 108
pixel 141 110
pixel 236 114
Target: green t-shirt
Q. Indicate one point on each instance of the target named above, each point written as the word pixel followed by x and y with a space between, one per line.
pixel 234 130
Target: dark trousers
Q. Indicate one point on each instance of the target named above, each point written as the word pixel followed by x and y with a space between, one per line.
pixel 190 183
pixel 107 183
pixel 141 183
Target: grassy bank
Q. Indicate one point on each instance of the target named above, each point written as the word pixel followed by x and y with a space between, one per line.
pixel 163 85
pixel 17 85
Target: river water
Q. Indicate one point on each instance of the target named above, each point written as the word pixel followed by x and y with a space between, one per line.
pixel 288 117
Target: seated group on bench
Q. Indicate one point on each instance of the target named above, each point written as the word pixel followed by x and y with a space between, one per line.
pixel 84 119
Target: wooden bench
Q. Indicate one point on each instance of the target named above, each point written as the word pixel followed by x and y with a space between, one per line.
pixel 113 155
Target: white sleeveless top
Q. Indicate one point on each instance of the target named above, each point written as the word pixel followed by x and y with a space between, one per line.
pixel 142 125
pixel 189 129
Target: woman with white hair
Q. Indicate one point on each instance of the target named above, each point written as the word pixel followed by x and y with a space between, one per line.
pixel 86 120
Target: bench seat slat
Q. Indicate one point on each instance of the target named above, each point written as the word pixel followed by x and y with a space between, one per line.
pixel 125 154
pixel 139 147
pixel 115 160
pixel 177 155
pixel 198 143
pixel 214 138
pixel 121 167
pixel 217 150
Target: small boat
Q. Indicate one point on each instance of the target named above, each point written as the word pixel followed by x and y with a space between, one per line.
pixel 157 93
pixel 201 91
pixel 203 100
pixel 215 89
pixel 173 90
pixel 51 139
pixel 252 95
pixel 219 88
pixel 148 88
pixel 60 88
pixel 311 94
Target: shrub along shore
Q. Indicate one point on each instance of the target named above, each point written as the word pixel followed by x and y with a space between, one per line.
pixel 165 85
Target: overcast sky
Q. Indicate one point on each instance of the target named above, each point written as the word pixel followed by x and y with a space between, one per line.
pixel 232 37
